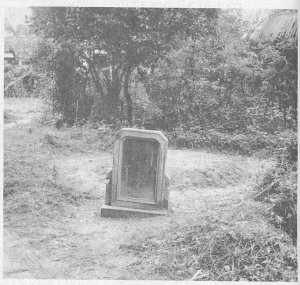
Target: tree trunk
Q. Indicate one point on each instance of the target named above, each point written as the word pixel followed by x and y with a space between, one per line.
pixel 128 95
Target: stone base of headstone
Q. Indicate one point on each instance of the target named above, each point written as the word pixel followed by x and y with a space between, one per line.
pixel 122 212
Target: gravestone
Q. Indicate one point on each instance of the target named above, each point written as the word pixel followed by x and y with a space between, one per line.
pixel 138 185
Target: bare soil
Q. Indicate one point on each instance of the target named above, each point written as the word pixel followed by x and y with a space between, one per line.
pixel 82 245
pixel 18 111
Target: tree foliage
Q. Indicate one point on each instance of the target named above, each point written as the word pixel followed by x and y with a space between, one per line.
pixel 110 43
pixel 186 69
pixel 228 84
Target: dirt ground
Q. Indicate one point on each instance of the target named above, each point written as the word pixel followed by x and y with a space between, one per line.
pixel 85 246
pixel 17 112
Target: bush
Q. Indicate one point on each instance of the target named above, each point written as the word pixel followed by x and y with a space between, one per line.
pixel 245 144
pixel 13 82
pixel 279 187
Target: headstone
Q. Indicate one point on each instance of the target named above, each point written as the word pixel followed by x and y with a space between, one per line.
pixel 138 185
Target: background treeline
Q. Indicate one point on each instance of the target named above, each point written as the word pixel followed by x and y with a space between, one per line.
pixel 190 72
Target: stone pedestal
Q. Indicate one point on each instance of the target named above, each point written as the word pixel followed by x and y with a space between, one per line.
pixel 123 213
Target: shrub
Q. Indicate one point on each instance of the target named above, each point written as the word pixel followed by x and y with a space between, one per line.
pixel 279 187
pixel 13 82
pixel 245 144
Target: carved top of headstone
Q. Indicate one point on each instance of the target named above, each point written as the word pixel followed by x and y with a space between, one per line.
pixel 158 135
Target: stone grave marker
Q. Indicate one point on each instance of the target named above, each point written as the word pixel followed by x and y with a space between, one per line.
pixel 138 185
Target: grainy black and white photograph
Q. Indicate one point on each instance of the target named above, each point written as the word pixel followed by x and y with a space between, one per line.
pixel 150 143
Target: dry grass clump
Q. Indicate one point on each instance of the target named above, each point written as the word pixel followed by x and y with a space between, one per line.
pixel 31 185
pixel 87 137
pixel 212 252
pixel 79 139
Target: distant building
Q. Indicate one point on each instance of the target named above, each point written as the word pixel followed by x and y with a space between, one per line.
pixel 283 24
pixel 19 39
pixel 19 49
pixel 9 56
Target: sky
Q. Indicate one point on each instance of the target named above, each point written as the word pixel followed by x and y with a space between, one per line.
pixel 16 15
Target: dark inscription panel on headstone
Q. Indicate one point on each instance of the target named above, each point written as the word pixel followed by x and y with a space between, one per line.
pixel 139 166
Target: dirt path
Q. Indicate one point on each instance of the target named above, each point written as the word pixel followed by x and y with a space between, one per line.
pixel 20 111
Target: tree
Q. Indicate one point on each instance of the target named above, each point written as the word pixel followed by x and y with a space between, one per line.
pixel 275 40
pixel 225 82
pixel 122 39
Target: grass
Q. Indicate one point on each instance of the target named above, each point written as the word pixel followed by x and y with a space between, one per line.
pixel 231 249
pixel 203 250
pixel 29 182
pixel 22 105
pixel 212 251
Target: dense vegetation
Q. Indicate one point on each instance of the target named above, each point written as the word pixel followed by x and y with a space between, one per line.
pixel 188 72
pixel 167 69
pixel 279 188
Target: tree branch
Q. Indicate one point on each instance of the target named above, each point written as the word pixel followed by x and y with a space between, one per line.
pixel 13 83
